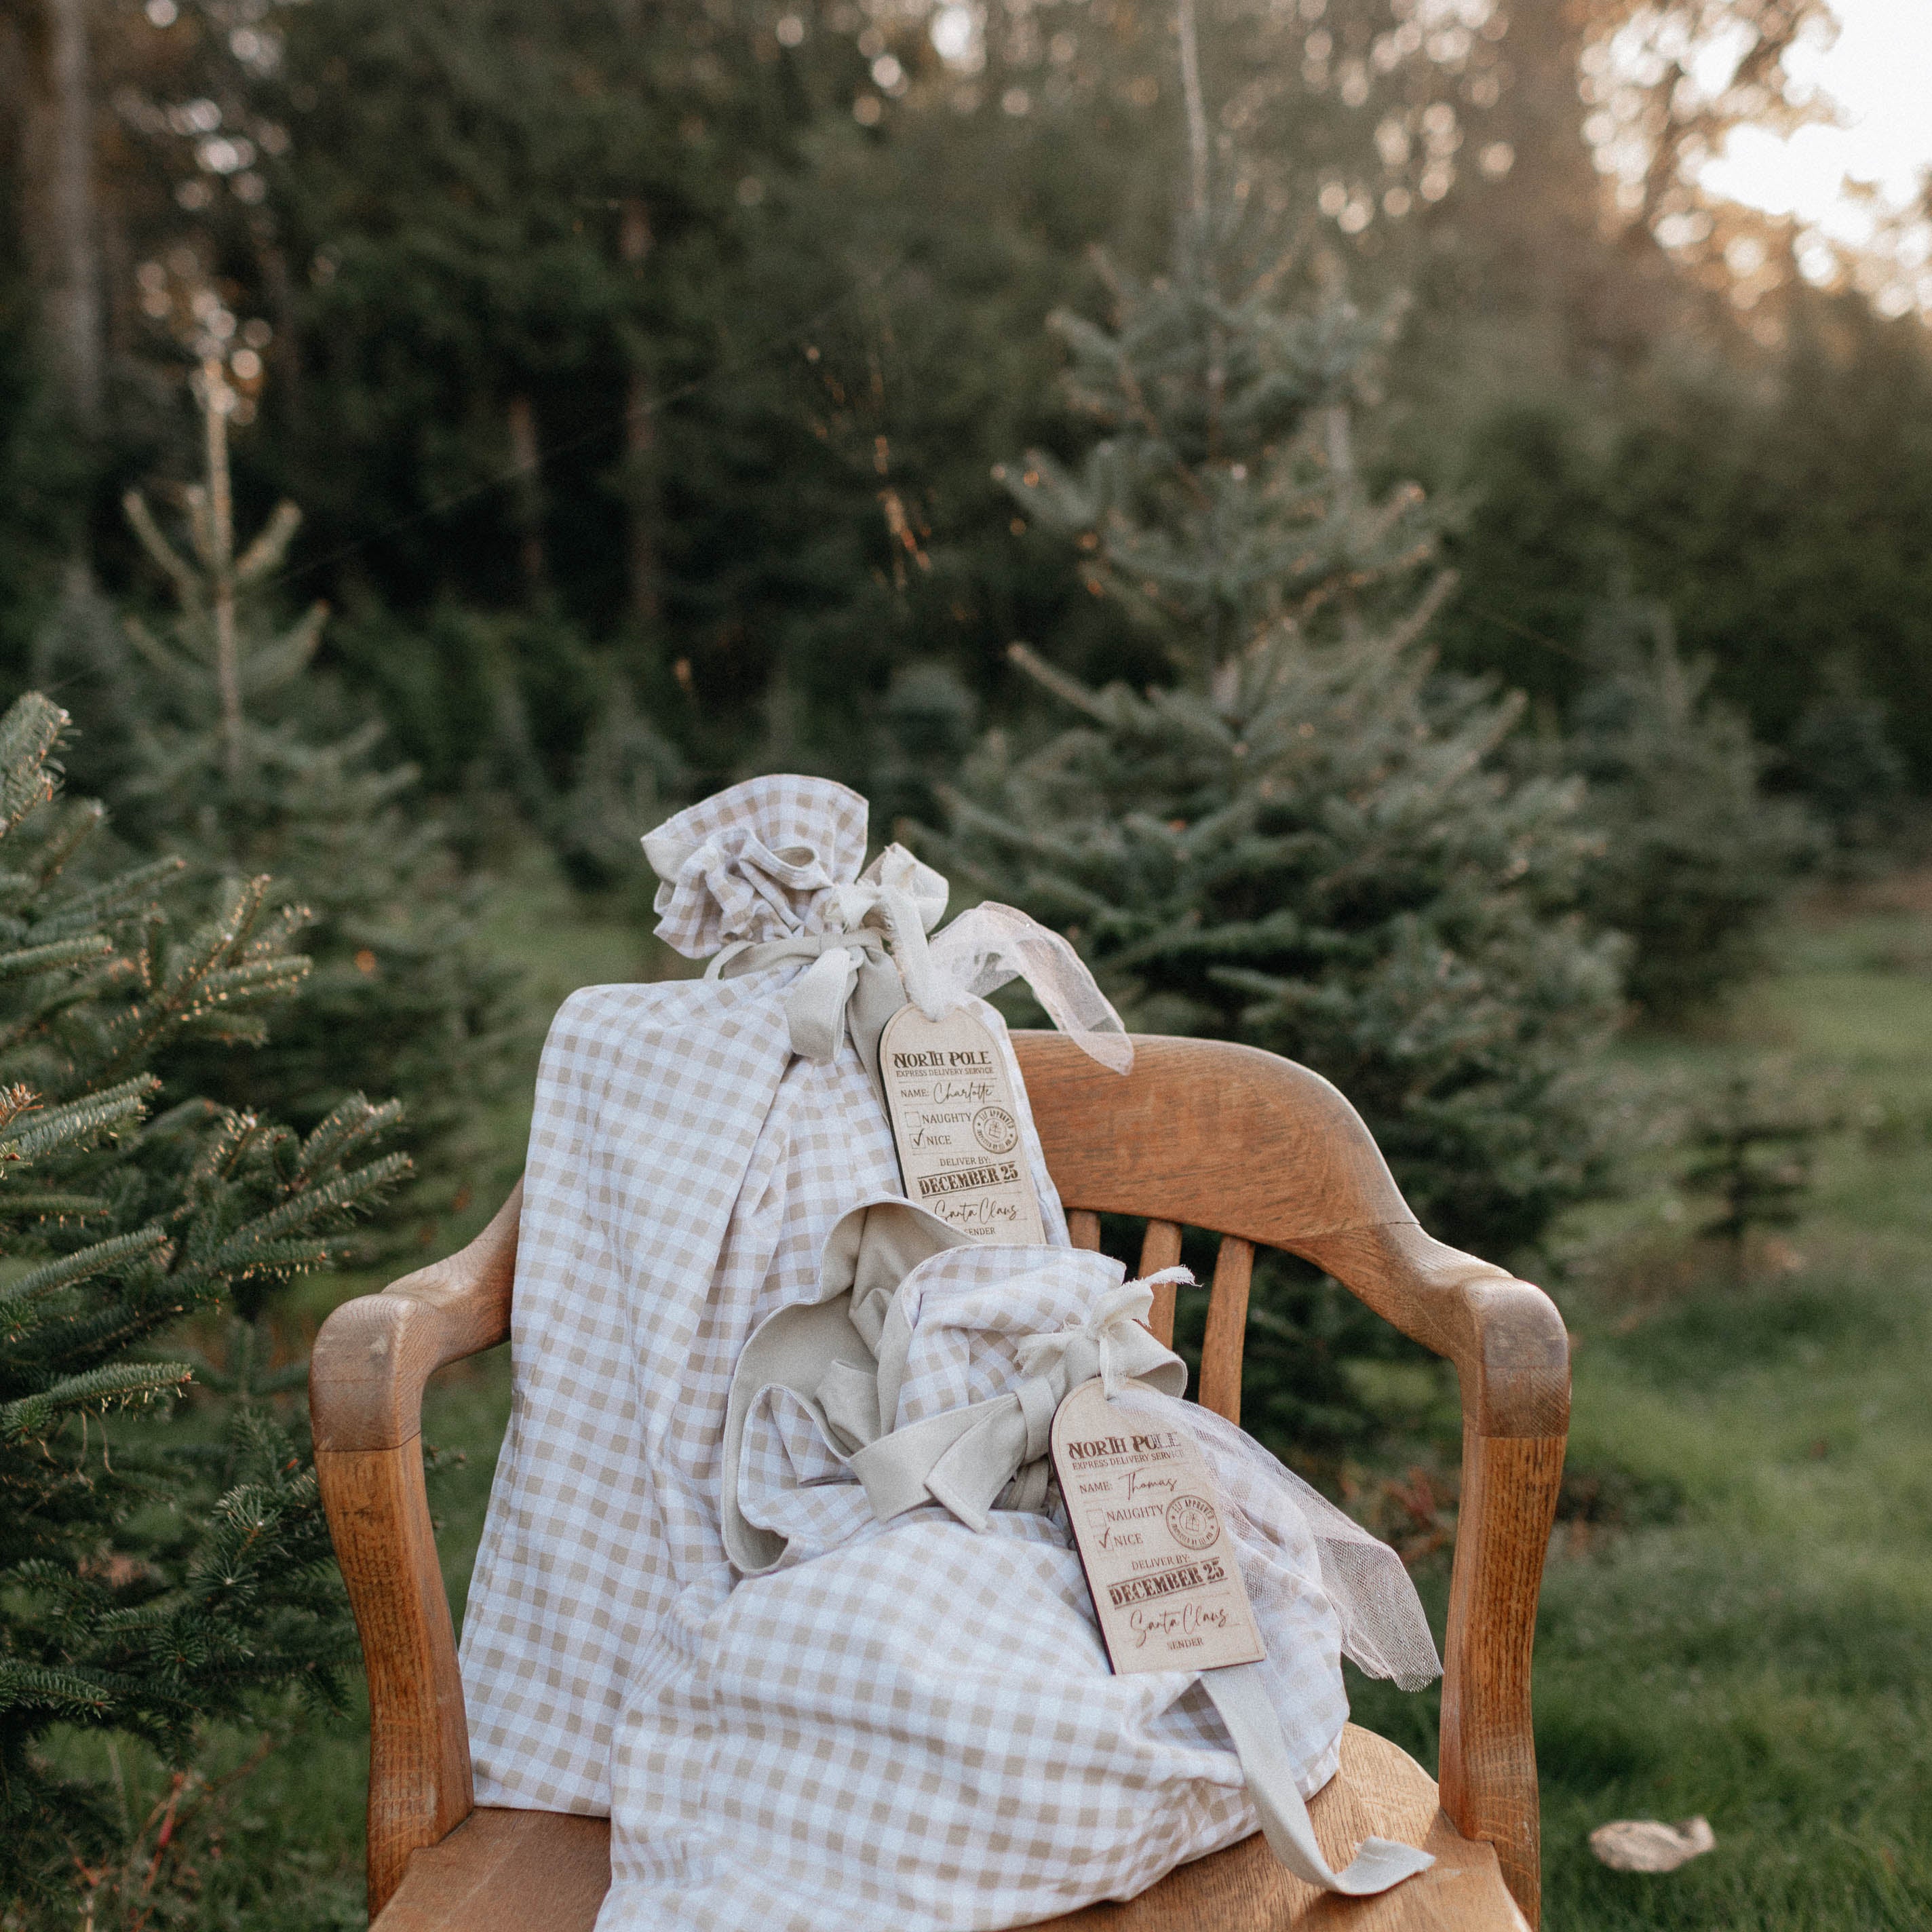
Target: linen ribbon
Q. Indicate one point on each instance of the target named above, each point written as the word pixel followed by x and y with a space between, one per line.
pixel 1239 1692
pixel 874 954
pixel 995 1453
pixel 966 1458
pixel 852 980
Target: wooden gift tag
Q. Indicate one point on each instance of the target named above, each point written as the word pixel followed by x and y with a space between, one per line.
pixel 1159 1559
pixel 957 1127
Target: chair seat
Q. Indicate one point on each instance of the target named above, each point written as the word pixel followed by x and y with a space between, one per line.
pixel 544 1871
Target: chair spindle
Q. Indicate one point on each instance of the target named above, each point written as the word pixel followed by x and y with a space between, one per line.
pixel 1083 1228
pixel 1220 1388
pixel 1161 1249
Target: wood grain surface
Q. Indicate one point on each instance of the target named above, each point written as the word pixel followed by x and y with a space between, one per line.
pixel 1201 1134
pixel 1227 1331
pixel 1487 1749
pixel 506 1871
pixel 419 1783
pixel 1160 1248
pixel 366 1380
pixel 375 1353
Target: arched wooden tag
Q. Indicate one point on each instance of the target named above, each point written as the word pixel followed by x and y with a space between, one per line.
pixel 1147 1519
pixel 957 1127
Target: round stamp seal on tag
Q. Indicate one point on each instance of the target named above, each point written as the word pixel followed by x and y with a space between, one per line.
pixel 1192 1522
pixel 995 1129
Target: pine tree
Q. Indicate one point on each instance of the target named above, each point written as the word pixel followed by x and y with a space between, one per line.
pixel 1305 841
pixel 1321 859
pixel 1693 858
pixel 1223 499
pixel 1754 1146
pixel 241 762
pixel 148 1586
pixel 1853 776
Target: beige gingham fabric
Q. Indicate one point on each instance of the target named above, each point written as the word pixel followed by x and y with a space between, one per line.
pixel 914 1731
pixel 910 1724
pixel 684 1169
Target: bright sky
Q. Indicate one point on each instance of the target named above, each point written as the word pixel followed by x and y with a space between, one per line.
pixel 1878 71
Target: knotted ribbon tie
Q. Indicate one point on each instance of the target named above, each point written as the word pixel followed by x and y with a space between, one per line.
pixel 965 1458
pixel 869 952
pixel 852 980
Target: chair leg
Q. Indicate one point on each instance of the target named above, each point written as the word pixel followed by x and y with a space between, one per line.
pixel 419 1781
pixel 1488 1770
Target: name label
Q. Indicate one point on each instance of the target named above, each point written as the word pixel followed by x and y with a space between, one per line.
pixel 956 1126
pixel 1147 1520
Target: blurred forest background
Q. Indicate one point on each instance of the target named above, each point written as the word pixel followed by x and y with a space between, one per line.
pixel 641 370
pixel 1315 499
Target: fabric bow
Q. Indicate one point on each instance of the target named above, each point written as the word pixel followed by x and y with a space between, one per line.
pixel 853 977
pixel 965 1458
pixel 759 878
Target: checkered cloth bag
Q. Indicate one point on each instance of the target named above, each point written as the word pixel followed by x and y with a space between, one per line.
pixel 901 1725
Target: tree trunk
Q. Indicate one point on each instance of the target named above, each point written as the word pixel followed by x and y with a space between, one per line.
pixel 640 436
pixel 526 463
pixel 69 242
pixel 285 349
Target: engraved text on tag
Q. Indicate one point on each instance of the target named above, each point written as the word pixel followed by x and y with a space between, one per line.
pixel 957 1127
pixel 1146 1519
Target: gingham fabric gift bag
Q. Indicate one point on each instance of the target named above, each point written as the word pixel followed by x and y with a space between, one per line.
pixel 820 1676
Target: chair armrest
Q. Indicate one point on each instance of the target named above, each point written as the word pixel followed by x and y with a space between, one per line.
pixel 1508 1342
pixel 1512 1357
pixel 375 1353
pixel 366 1375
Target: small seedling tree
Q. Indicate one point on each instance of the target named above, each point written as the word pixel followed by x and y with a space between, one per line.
pixel 1693 857
pixel 245 761
pixel 1754 1148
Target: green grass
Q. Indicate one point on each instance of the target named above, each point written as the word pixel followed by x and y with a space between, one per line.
pixel 1753 1642
pixel 1765 1657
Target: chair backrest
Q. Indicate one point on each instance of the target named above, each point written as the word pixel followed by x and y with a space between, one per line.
pixel 1208 1134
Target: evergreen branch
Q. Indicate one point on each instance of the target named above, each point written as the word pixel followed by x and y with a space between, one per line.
pixel 25 1686
pixel 56 953
pixel 29 733
pixel 99 1390
pixel 77 825
pixel 270 546
pixel 47 1205
pixel 16 1100
pixel 346 1191
pixel 1070 690
pixel 348 1126
pixel 271 666
pixel 177 667
pixel 75 1123
pixel 115 898
pixel 254 978
pixel 51 1276
pixel 1440 588
pixel 186 580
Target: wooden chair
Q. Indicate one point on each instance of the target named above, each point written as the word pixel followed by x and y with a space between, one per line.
pixel 1201 1134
